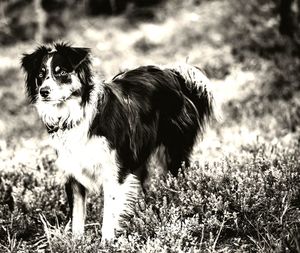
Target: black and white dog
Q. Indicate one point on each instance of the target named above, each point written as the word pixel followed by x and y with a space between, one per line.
pixel 106 132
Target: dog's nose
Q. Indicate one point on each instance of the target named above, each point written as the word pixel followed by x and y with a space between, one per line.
pixel 45 91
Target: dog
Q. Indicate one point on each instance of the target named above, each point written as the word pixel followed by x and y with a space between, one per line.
pixel 106 132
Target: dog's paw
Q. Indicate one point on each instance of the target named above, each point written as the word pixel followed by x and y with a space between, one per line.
pixel 77 230
pixel 108 235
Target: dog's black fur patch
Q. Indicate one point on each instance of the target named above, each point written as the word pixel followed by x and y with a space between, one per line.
pixel 147 107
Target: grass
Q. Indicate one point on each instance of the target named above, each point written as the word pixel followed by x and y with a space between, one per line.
pixel 242 193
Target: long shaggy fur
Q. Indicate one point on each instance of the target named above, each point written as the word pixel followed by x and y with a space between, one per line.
pixel 106 132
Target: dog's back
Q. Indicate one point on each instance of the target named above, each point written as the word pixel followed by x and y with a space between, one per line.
pixel 152 106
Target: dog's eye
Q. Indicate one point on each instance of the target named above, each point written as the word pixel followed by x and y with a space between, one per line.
pixel 59 71
pixel 63 73
pixel 41 74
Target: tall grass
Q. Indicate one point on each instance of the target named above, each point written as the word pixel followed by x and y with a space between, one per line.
pixel 239 195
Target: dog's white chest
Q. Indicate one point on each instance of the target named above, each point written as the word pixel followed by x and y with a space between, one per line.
pixel 82 157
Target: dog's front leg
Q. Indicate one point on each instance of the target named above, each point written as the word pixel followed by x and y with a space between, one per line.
pixel 76 194
pixel 118 202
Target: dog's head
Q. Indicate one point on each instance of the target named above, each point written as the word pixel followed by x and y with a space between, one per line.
pixel 57 78
pixel 57 73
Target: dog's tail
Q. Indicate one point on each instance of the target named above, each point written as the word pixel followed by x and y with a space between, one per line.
pixel 197 88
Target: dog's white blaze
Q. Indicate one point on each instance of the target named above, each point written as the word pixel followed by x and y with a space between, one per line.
pixel 48 63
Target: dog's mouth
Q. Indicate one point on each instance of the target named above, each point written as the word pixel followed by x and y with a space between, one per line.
pixel 74 94
pixel 53 101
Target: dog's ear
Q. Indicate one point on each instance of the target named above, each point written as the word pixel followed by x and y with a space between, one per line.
pixel 78 55
pixel 75 55
pixel 31 64
pixel 79 59
pixel 81 63
pixel 27 62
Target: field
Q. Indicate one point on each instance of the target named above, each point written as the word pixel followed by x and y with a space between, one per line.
pixel 242 192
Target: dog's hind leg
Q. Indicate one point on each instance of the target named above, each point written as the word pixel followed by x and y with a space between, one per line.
pixel 176 158
pixel 119 198
pixel 178 149
pixel 179 137
pixel 76 195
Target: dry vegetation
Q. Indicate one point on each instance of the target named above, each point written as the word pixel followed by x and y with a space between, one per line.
pixel 242 194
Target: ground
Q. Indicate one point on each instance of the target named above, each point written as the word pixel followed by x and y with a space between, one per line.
pixel 242 192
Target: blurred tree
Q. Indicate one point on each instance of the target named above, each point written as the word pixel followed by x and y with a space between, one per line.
pixel 19 21
pixel 108 7
pixel 57 18
pixel 288 22
pixel 145 11
pixel 53 5
pixel 145 3
pixel 48 20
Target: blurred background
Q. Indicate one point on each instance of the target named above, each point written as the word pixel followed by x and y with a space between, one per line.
pixel 250 50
